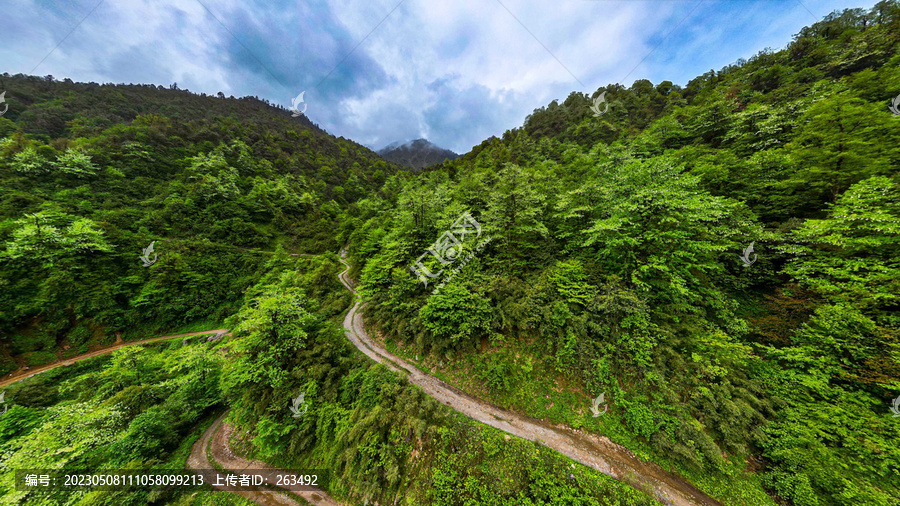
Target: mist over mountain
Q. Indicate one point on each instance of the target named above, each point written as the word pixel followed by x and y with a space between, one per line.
pixel 417 154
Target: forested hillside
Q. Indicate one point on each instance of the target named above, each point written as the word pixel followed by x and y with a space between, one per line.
pixel 246 207
pixel 615 266
pixel 137 408
pixel 382 438
pixel 377 435
pixel 91 175
pixel 707 275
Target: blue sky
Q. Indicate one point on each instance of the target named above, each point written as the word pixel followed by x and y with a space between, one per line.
pixel 379 71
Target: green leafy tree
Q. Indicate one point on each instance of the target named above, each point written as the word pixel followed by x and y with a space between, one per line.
pixel 659 230
pixel 456 317
pixel 49 236
pixel 514 214
pixel 853 255
pixel 213 176
pixel 839 367
pixel 29 161
pixel 76 162
pixel 842 140
pixel 275 327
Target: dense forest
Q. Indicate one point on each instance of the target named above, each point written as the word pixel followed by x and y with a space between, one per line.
pixel 135 409
pixel 719 262
pixel 93 174
pixel 614 266
pixel 378 435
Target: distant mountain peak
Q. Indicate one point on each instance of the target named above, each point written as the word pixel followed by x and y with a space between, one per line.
pixel 416 154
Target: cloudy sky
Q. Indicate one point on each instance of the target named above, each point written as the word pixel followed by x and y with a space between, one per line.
pixel 378 71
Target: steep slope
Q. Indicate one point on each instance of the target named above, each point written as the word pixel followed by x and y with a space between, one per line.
pixel 598 453
pixel 715 263
pixel 92 176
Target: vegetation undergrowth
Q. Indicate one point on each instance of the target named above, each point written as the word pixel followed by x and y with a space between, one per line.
pixel 380 438
pixel 140 407
pixel 718 259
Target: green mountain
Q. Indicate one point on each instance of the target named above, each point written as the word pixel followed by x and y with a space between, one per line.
pixel 615 266
pixel 416 154
pixel 91 175
pixel 707 275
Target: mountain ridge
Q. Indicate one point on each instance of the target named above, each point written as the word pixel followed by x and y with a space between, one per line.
pixel 416 154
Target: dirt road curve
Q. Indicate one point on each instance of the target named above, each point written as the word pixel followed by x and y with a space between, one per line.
pixel 216 439
pixel 217 433
pixel 591 450
pixel 21 374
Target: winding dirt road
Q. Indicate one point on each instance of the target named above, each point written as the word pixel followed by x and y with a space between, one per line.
pixel 24 373
pixel 589 449
pixel 215 437
pixel 216 440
